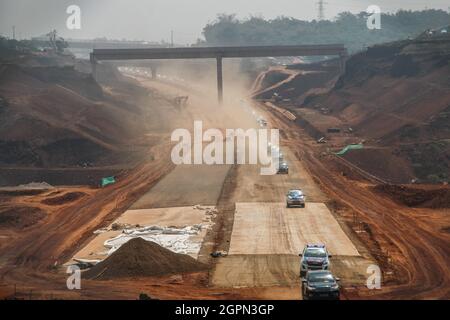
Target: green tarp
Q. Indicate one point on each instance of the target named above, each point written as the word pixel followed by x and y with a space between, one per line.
pixel 350 147
pixel 108 180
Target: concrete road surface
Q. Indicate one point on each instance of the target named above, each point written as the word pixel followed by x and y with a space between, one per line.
pixel 266 237
pixel 271 228
pixel 254 187
pixel 186 185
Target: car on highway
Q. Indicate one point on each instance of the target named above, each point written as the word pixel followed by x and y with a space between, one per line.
pixel 283 168
pixel 295 197
pixel 275 152
pixel 320 285
pixel 314 257
pixel 262 122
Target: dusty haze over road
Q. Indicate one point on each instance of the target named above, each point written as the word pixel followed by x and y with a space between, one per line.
pixel 153 20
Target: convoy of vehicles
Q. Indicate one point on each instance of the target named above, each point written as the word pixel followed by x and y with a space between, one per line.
pixel 317 281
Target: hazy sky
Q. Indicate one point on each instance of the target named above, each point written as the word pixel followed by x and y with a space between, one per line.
pixel 152 20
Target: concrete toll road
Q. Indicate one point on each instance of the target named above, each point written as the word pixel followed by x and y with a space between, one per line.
pixel 267 237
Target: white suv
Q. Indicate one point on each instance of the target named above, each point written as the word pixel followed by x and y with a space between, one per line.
pixel 314 257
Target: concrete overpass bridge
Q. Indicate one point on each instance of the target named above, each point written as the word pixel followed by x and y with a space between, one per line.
pixel 219 53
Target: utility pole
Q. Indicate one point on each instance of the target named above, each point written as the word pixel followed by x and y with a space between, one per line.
pixel 321 12
pixel 14 32
pixel 171 38
pixel 219 79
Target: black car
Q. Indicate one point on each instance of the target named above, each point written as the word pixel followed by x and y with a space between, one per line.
pixel 283 168
pixel 320 285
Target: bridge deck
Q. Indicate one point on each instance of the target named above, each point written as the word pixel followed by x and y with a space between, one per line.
pixel 219 53
pixel 215 52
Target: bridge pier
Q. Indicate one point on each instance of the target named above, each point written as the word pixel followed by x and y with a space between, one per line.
pixel 154 72
pixel 93 66
pixel 219 79
pixel 342 60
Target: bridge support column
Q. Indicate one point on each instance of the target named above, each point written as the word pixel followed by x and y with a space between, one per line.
pixel 93 66
pixel 219 79
pixel 154 69
pixel 342 60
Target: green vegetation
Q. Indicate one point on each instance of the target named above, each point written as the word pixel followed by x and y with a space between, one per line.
pixel 10 48
pixel 430 160
pixel 441 122
pixel 409 132
pixel 350 29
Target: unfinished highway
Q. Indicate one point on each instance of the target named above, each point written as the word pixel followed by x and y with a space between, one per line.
pixel 250 223
pixel 265 237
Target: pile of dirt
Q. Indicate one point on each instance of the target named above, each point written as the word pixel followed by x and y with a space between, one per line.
pixel 141 258
pixel 20 217
pixel 65 198
pixel 422 197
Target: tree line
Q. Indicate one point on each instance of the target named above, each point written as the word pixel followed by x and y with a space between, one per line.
pixel 347 28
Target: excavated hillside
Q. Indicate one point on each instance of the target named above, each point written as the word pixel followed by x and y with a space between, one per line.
pixel 393 97
pixel 293 83
pixel 397 96
pixel 54 114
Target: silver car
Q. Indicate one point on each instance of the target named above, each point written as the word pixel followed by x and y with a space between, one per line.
pixel 295 197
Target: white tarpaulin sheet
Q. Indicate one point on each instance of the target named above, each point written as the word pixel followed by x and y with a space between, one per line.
pixel 179 240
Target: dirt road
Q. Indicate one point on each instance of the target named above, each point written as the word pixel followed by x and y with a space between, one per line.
pixel 411 249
